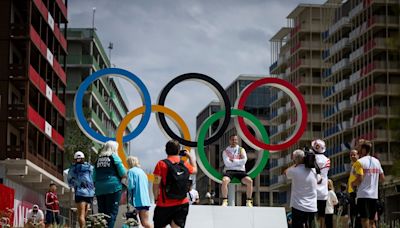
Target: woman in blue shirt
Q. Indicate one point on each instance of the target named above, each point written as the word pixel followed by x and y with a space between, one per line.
pixel 138 187
pixel 80 178
pixel 108 175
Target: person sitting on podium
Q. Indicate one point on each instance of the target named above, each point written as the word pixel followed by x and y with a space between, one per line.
pixel 235 159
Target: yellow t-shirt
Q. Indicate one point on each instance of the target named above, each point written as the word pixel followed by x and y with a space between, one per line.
pixel 355 169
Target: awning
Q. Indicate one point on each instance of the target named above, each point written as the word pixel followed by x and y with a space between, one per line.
pixel 25 172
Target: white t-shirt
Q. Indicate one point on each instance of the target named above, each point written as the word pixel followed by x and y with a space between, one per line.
pixel 238 156
pixel 304 188
pixel 35 217
pixel 193 195
pixel 324 164
pixel 331 202
pixel 370 168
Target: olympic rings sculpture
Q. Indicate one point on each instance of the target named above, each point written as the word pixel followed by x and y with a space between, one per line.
pixel 185 139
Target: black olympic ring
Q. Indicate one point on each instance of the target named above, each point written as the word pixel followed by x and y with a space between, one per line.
pixel 212 84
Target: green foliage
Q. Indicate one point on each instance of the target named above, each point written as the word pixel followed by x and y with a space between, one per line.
pixel 75 140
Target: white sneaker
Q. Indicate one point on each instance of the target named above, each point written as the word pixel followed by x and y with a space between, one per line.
pixel 225 203
pixel 249 203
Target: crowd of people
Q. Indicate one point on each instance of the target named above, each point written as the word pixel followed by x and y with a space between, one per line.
pixel 313 200
pixel 313 197
pixel 108 178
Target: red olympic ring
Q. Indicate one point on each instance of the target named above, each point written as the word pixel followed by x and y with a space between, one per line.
pixel 286 87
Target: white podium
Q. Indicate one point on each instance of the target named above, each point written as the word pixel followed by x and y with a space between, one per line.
pixel 231 217
pixel 235 217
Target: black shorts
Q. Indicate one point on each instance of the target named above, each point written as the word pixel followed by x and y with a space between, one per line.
pixel 235 174
pixel 165 215
pixel 321 205
pixel 302 219
pixel 52 217
pixel 367 208
pixel 79 199
pixel 353 205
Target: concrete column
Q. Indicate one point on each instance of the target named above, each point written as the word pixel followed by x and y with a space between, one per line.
pixel 231 195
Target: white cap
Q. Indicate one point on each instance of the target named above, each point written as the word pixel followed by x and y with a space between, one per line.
pixel 79 154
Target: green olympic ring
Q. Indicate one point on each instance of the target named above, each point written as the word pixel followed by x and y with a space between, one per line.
pixel 253 122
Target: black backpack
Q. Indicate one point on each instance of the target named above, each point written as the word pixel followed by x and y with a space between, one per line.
pixel 177 182
pixel 310 161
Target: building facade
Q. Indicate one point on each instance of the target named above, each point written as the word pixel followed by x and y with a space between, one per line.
pixel 357 84
pixel 296 54
pixel 105 104
pixel 257 104
pixel 32 100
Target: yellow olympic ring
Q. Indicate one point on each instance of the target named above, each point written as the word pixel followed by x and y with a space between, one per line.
pixel 184 130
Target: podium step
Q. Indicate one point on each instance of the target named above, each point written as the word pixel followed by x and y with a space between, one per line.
pixel 235 217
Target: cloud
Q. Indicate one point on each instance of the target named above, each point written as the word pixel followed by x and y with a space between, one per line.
pixel 159 40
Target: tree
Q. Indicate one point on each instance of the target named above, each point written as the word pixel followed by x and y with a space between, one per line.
pixel 75 140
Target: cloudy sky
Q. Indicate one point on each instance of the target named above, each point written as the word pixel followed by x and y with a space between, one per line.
pixel 159 40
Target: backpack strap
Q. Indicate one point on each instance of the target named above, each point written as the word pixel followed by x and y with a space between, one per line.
pixel 163 186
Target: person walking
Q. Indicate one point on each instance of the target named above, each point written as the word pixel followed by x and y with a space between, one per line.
pixel 235 159
pixel 368 174
pixel 303 199
pixel 324 164
pixel 108 175
pixel 354 221
pixel 138 190
pixel 52 206
pixel 80 176
pixel 331 202
pixel 170 187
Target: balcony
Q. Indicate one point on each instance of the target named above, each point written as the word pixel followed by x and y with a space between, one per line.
pixel 54 27
pixel 313 99
pixel 354 77
pixel 344 21
pixel 309 136
pixel 18 31
pixel 42 125
pixel 358 31
pixel 17 72
pixel 343 147
pixel 312 27
pixel 356 54
pixel 344 42
pixel 338 87
pixel 91 115
pixel 16 112
pixel 356 10
pixel 342 64
pixel 338 107
pixel 82 60
pixel 46 53
pixel 100 99
pixel 343 126
pixel 381 112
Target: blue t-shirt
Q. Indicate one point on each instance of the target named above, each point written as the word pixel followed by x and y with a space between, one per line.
pixel 138 187
pixel 107 176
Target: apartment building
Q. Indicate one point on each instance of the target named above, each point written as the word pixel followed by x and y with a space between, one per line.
pixel 362 49
pixel 32 101
pixel 296 54
pixel 359 59
pixel 257 104
pixel 105 103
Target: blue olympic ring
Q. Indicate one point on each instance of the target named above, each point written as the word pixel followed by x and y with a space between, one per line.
pixel 136 82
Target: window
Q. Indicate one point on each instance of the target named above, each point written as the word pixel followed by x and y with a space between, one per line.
pixel 13 139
